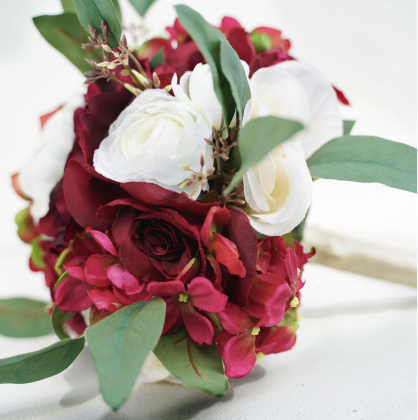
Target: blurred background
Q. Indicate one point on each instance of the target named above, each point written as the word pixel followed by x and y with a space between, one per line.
pixel 366 48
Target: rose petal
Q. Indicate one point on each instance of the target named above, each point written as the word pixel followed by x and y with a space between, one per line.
pixel 96 269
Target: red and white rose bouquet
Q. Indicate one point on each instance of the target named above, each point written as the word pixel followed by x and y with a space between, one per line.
pixel 166 203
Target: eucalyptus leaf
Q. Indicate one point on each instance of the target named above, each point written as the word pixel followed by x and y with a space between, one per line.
pixel 20 317
pixel 141 6
pixel 41 364
pixel 119 345
pixel 348 126
pixel 174 355
pixel 366 159
pixel 157 60
pixel 37 256
pixel 229 79
pixel 68 6
pixel 65 33
pixel 92 12
pixel 257 138
pixel 58 319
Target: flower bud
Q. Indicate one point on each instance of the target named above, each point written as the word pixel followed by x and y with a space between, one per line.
pixel 131 48
pixel 185 167
pixel 106 48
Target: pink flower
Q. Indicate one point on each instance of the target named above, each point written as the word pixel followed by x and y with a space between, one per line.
pixel 102 280
pixel 242 342
pixel 182 305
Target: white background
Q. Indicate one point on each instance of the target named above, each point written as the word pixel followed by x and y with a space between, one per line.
pixel 355 354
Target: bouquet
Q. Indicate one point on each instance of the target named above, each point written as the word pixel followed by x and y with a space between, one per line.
pixel 167 202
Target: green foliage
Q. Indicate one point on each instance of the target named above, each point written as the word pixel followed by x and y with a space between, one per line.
pixel 348 126
pixel 119 345
pixel 261 42
pixel 20 317
pixel 157 60
pixel 176 357
pixel 41 364
pixel 92 12
pixel 68 6
pixel 65 33
pixel 141 6
pixel 58 319
pixel 257 138
pixel 38 254
pixel 229 79
pixel 366 159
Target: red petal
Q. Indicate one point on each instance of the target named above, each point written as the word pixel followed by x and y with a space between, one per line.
pixel 234 319
pixel 228 24
pixel 205 296
pixel 240 41
pixel 227 254
pixel 166 289
pixel 172 316
pixel 341 97
pixel 96 269
pixel 76 270
pixel 275 340
pixel 240 232
pixel 103 298
pixel 269 296
pixel 239 356
pixel 199 328
pixel 152 194
pixel 84 194
pixel 103 240
pixel 134 259
pixel 123 279
pixel 71 296
pixel 216 219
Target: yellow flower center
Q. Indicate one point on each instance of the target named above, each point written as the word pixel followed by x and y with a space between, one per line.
pixel 294 302
pixel 255 331
pixel 183 297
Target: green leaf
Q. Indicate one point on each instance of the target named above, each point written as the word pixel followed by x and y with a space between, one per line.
pixel 261 42
pixel 38 254
pixel 366 159
pixel 297 232
pixel 58 319
pixel 141 6
pixel 65 33
pixel 62 277
pixel 20 317
pixel 68 6
pixel 257 138
pixel 41 364
pixel 229 79
pixel 348 126
pixel 91 12
pixel 119 345
pixel 157 60
pixel 175 358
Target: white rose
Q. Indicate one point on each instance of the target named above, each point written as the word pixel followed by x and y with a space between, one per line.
pixel 196 88
pixel 279 188
pixel 152 138
pixel 45 168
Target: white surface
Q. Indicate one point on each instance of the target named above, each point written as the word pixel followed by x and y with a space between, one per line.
pixel 355 355
pixel 355 358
